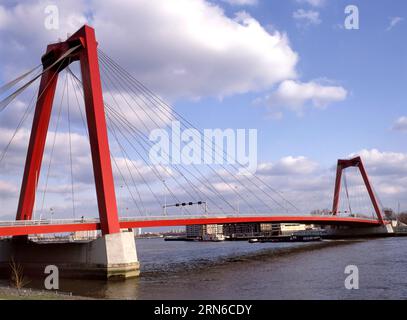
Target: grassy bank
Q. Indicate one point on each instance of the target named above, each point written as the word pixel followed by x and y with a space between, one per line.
pixel 9 293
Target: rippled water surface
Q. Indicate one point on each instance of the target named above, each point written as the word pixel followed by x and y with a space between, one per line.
pixel 240 270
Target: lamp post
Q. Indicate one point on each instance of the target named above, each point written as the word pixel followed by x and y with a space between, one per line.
pixel 237 201
pixel 165 200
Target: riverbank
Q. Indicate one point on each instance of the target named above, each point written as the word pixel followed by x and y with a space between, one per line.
pixel 9 293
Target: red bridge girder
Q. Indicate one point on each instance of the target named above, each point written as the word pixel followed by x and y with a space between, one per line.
pixel 17 230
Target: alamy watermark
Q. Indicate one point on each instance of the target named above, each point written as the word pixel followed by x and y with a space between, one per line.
pixel 352 280
pixel 213 146
pixel 352 18
pixel 51 281
pixel 51 21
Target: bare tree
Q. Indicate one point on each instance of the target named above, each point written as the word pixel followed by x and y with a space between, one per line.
pixel 17 275
pixel 402 217
pixel 389 214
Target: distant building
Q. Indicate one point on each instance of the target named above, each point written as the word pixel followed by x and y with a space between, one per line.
pixel 194 231
pixel 282 228
pixel 270 229
pixel 201 231
pixel 244 230
pixel 213 229
pixel 240 230
pixel 289 228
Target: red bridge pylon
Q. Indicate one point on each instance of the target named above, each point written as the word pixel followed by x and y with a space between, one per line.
pixel 355 162
pixel 82 47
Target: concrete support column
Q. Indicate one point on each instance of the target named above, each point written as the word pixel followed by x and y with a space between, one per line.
pixel 116 254
pixel 112 256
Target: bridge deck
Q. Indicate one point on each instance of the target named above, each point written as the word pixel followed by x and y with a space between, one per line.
pixel 15 228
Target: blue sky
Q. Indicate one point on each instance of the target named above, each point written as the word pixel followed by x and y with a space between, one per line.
pixel 229 64
pixel 370 63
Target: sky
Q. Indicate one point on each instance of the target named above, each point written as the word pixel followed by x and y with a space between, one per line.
pixel 314 90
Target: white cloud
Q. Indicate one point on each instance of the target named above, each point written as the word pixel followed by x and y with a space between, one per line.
pixel 179 48
pixel 217 55
pixel 137 111
pixel 388 174
pixel 295 95
pixel 400 124
pixel 393 22
pixel 307 17
pixel 309 185
pixel 241 2
pixel 383 163
pixel 288 165
pixel 7 190
pixel 314 3
pixel 23 34
pixel 3 17
pixel 144 173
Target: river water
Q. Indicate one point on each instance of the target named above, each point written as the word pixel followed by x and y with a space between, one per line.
pixel 240 270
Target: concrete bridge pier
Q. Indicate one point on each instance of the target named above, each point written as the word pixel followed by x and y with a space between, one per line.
pixel 377 231
pixel 112 256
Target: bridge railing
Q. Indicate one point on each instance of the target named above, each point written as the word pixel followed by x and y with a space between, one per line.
pixel 47 222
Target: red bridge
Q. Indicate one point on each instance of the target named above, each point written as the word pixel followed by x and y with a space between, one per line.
pixel 82 47
pixel 60 226
pixel 114 254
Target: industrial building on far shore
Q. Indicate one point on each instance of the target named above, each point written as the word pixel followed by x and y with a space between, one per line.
pixel 237 231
